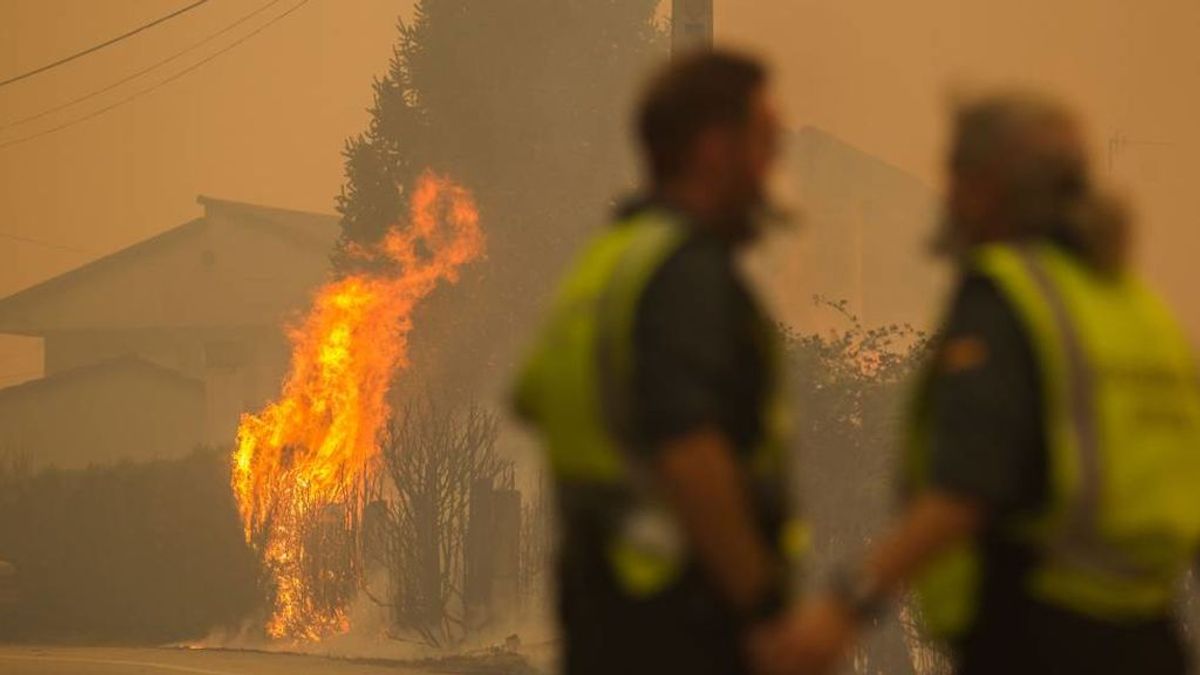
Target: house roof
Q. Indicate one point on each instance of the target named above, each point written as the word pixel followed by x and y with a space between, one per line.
pixel 815 147
pixel 85 271
pixel 304 227
pixel 867 227
pixel 127 364
pixel 313 233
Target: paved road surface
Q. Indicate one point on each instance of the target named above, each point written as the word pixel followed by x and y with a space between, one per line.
pixel 24 660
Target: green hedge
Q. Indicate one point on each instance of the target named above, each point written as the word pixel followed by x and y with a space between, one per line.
pixel 132 553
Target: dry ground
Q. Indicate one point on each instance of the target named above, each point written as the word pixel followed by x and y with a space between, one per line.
pixel 25 660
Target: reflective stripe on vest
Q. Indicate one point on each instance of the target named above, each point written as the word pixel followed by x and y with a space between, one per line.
pixel 617 309
pixel 1077 542
pixel 569 384
pixel 1123 436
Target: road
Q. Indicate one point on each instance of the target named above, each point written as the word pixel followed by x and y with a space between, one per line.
pixel 24 660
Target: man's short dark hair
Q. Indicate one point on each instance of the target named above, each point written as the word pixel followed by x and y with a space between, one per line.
pixel 696 92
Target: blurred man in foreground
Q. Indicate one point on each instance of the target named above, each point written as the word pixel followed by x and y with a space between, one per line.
pixel 655 389
pixel 1053 475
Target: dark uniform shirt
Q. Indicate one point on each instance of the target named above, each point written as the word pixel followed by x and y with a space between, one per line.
pixel 989 444
pixel 699 363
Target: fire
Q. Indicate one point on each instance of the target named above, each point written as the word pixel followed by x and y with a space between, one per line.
pixel 302 464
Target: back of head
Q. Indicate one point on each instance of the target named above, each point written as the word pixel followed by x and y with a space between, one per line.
pixel 695 92
pixel 1031 147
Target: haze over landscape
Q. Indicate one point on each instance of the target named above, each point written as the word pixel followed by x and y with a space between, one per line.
pixel 275 415
pixel 266 122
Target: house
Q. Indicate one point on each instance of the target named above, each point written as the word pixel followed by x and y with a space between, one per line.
pixel 863 238
pixel 160 347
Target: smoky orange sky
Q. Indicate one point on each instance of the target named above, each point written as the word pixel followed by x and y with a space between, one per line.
pixel 266 121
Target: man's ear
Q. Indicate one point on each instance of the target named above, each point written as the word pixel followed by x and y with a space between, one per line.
pixel 711 147
pixel 976 196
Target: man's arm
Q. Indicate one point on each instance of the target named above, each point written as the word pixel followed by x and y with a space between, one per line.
pixel 703 483
pixel 688 358
pixel 984 454
pixel 933 523
pixel 985 461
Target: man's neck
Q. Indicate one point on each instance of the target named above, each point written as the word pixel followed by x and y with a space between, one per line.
pixel 706 211
pixel 695 200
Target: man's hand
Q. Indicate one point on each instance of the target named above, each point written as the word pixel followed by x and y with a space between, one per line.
pixel 814 638
pixel 810 641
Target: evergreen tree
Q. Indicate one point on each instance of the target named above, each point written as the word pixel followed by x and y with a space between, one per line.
pixel 526 103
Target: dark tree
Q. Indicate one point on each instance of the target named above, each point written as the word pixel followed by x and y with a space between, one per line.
pixel 525 102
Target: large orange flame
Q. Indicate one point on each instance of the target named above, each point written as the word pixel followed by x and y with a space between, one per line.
pixel 312 452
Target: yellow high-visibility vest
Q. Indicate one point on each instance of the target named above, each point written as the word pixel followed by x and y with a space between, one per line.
pixel 1122 417
pixel 576 389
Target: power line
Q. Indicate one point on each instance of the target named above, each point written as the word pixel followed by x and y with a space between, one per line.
pixel 39 242
pixel 102 45
pixel 147 90
pixel 143 71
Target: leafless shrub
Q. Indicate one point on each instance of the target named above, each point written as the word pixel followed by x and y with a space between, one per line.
pixel 416 527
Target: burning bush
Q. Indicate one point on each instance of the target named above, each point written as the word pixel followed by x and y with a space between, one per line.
pixel 303 464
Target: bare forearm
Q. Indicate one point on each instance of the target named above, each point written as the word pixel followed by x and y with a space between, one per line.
pixel 933 523
pixel 703 483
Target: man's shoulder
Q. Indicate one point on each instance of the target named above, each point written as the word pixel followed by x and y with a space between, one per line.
pixel 977 297
pixel 699 265
pixel 699 262
pixel 984 324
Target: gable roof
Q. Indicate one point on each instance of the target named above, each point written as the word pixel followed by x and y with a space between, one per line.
pixel 313 233
pixel 132 364
pixel 302 227
pixel 87 270
pixel 819 150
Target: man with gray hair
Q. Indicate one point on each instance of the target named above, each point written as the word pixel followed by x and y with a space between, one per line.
pixel 1051 482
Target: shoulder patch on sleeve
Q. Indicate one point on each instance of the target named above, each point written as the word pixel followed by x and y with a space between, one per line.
pixel 962 354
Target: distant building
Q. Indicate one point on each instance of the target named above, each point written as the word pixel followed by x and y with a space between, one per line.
pixel 863 238
pixel 160 347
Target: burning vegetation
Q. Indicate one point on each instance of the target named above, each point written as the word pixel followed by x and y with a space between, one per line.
pixel 303 465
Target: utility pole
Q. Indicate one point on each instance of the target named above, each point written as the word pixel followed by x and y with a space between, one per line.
pixel 691 25
pixel 1118 143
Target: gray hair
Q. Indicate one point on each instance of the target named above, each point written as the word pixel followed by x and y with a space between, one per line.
pixel 1049 192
